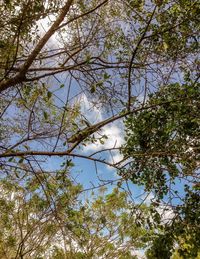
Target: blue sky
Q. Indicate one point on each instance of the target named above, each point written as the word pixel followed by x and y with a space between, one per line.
pixel 84 170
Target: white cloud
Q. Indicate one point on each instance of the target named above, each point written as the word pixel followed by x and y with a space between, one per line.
pixel 114 131
pixel 114 138
pixel 92 113
pixel 44 25
pixel 117 157
pixel 164 210
pixel 166 213
pixel 139 253
pixel 55 41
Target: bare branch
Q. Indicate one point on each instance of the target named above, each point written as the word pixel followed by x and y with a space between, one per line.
pixel 133 57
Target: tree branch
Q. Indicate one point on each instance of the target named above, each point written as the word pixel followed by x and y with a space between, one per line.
pixel 133 57
pixel 22 74
pixel 50 153
pixel 86 132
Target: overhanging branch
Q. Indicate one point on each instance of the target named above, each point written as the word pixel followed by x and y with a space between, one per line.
pixel 22 73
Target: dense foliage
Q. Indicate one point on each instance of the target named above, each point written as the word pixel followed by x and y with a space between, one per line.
pixel 163 144
pixel 56 224
pixel 163 140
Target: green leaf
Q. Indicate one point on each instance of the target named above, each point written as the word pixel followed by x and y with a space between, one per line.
pixel 69 163
pixel 93 88
pixel 21 160
pixel 49 94
pixel 106 76
pixel 45 114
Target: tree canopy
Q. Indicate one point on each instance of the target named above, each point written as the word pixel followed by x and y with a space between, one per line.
pixel 113 85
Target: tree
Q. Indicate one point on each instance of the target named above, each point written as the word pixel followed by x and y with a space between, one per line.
pixel 49 221
pixel 163 142
pixel 182 234
pixel 164 139
pixel 112 56
pixel 36 88
pixel 18 28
